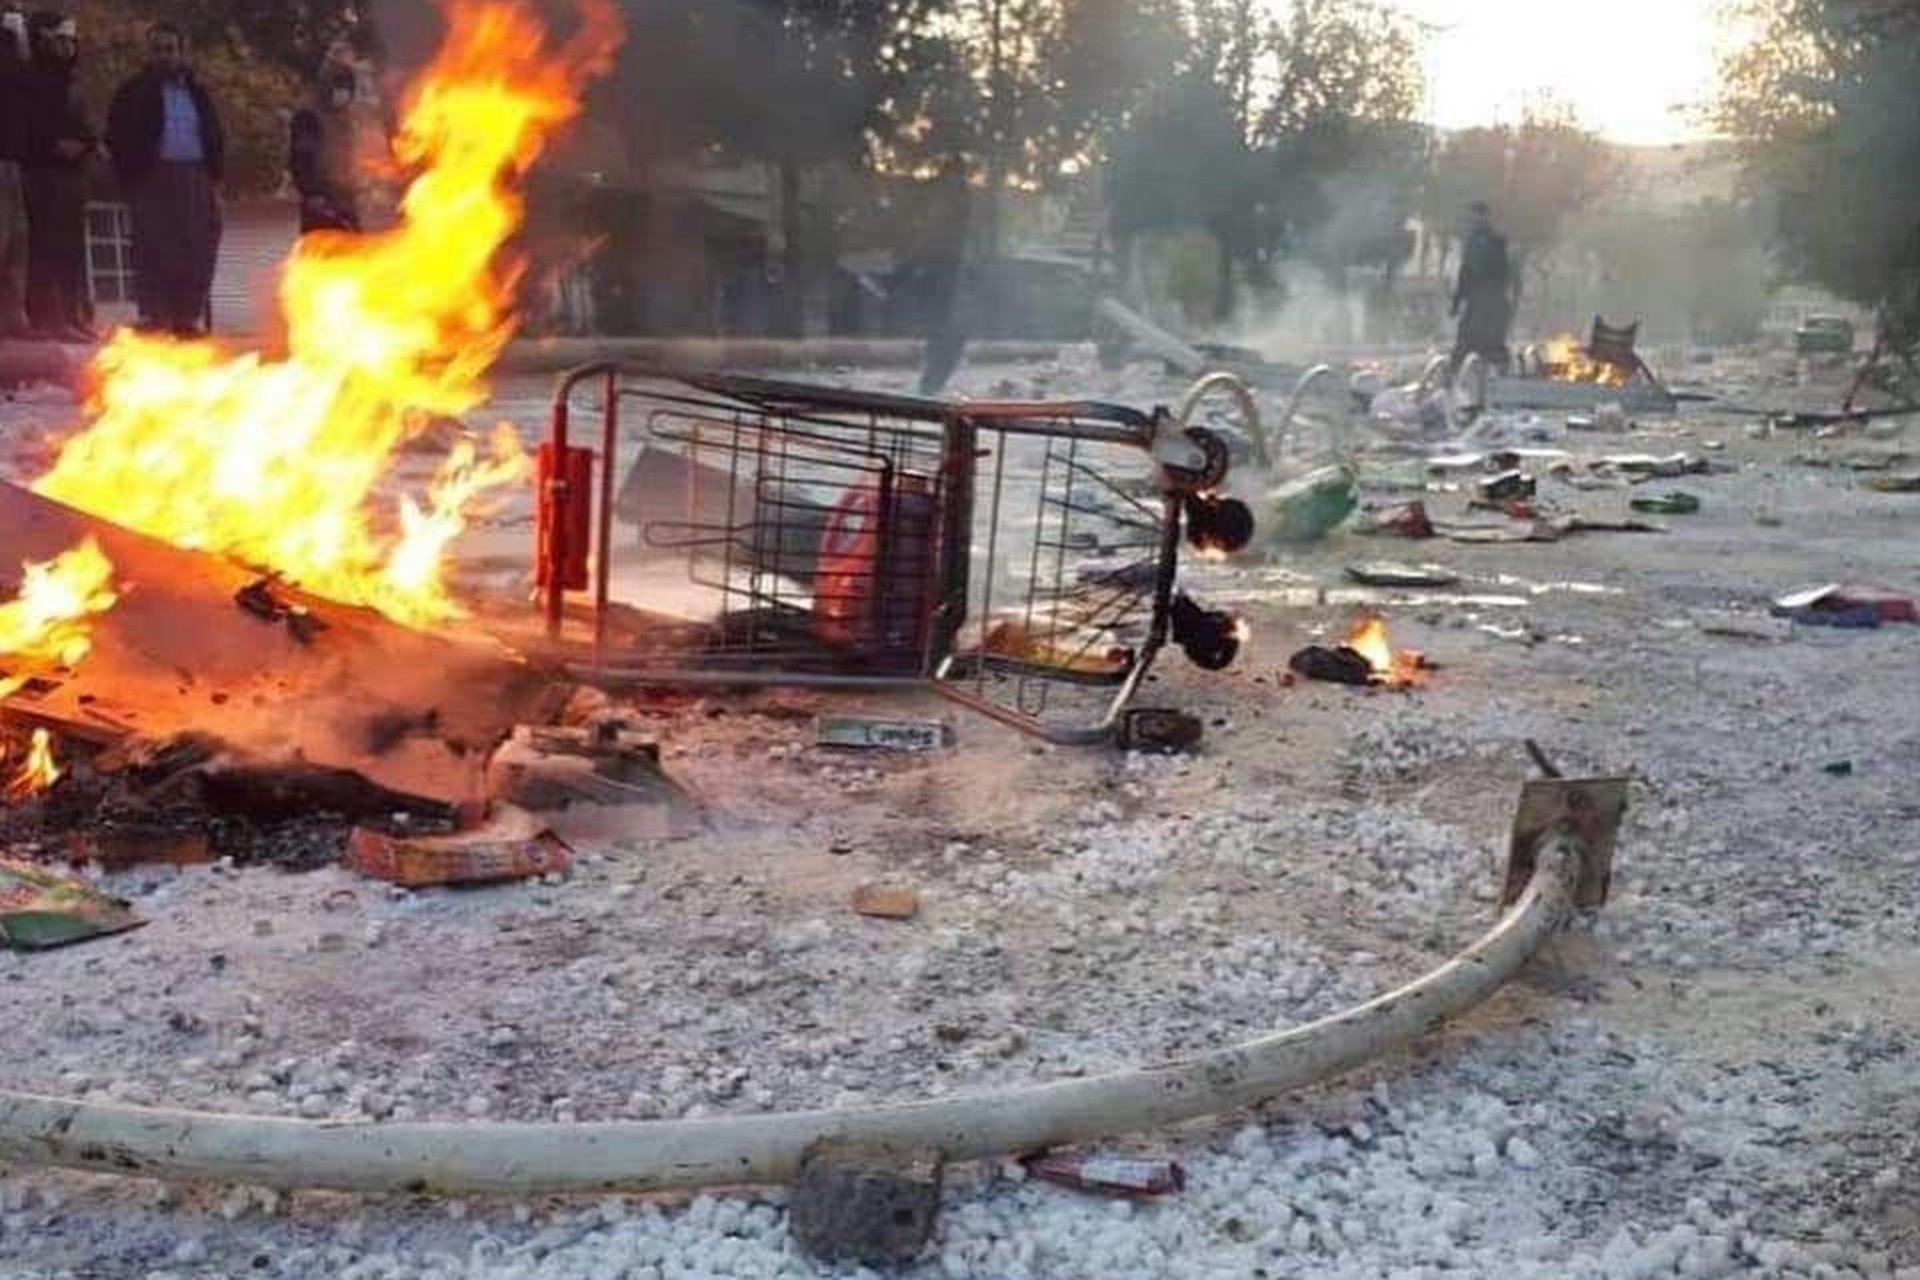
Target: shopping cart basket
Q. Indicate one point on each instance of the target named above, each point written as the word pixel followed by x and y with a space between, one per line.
pixel 1021 558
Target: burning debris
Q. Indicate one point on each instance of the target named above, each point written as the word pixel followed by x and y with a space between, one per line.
pixel 223 458
pixel 1367 659
pixel 49 624
pixel 37 772
pixel 383 334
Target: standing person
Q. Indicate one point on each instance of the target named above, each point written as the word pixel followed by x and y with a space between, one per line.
pixel 60 142
pixel 1483 298
pixel 169 152
pixel 941 263
pixel 13 153
pixel 321 154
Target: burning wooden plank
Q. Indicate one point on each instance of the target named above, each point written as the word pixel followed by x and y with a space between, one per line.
pixel 411 711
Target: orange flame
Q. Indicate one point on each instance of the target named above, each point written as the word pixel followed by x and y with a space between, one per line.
pixel 1567 361
pixel 275 459
pixel 1395 669
pixel 50 623
pixel 37 773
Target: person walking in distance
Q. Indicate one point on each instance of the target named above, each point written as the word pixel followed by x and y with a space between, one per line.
pixel 13 154
pixel 1484 296
pixel 169 153
pixel 60 143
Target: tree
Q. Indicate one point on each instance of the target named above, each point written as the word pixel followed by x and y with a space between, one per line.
pixel 1271 127
pixel 1822 104
pixel 1537 177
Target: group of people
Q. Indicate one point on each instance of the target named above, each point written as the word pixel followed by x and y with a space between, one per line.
pixel 167 147
pixel 45 143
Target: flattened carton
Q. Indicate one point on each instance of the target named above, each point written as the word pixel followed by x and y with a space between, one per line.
pixel 861 733
pixel 511 845
pixel 41 909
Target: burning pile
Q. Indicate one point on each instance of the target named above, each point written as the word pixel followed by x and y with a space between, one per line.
pixel 1366 659
pixel 48 628
pixel 274 458
pixel 1564 360
pixel 50 624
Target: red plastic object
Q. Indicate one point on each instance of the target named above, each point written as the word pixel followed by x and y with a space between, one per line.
pixel 564 521
pixel 875 582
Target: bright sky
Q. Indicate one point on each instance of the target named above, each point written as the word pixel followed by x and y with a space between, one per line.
pixel 1623 64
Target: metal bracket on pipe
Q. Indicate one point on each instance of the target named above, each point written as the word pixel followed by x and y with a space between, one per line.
pixel 1588 813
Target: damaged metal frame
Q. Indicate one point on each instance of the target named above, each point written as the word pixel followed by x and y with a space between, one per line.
pixel 813 597
pixel 1569 829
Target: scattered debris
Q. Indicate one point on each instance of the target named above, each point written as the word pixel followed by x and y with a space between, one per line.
pixel 1646 466
pixel 1896 482
pixel 41 909
pixel 546 768
pixel 1847 606
pixel 510 845
pixel 1131 1177
pixel 865 1203
pixel 1408 520
pixel 263 599
pixel 1160 731
pixel 116 848
pixel 1838 769
pixel 887 902
pixel 1744 626
pixel 1505 487
pixel 1676 503
pixel 1390 573
pixel 867 734
pixel 1339 665
pixel 1309 507
pixel 1367 658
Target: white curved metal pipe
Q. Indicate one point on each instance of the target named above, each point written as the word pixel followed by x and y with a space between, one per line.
pixel 1236 389
pixel 1338 442
pixel 531 1159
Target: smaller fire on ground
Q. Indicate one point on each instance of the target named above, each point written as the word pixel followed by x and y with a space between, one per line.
pixel 1395 669
pixel 37 772
pixel 1565 360
pixel 1367 659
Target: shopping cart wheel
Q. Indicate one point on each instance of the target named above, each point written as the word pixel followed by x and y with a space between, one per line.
pixel 1212 473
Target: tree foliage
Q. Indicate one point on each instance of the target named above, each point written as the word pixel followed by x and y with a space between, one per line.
pixel 1281 130
pixel 1537 176
pixel 1824 103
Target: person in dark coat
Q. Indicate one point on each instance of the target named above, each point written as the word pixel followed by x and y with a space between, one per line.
pixel 320 155
pixel 13 155
pixel 939 267
pixel 169 153
pixel 1484 296
pixel 60 143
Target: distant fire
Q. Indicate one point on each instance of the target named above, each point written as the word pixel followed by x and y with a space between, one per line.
pixel 277 458
pixel 1565 360
pixel 37 772
pixel 50 624
pixel 1397 670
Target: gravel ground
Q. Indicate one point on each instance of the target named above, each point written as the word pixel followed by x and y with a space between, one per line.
pixel 1712 1077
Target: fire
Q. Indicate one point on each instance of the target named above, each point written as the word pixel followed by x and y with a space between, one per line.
pixel 1567 361
pixel 275 459
pixel 1395 669
pixel 37 773
pixel 50 623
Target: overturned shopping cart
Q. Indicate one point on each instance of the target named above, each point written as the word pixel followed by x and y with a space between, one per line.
pixel 1021 558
